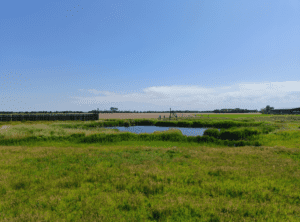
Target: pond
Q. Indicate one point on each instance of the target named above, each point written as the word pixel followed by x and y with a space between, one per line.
pixel 188 131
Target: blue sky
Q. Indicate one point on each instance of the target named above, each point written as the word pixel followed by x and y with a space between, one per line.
pixel 149 55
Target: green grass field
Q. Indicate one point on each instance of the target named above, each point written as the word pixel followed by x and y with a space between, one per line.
pixel 234 116
pixel 67 180
pixel 217 115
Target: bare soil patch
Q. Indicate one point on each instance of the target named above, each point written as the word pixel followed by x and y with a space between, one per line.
pixel 151 115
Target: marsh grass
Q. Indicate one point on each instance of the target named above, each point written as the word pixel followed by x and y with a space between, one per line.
pixel 141 183
pixel 63 180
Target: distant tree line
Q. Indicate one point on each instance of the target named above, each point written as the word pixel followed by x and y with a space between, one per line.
pixel 266 110
pixel 115 110
pixel 33 112
pixel 236 110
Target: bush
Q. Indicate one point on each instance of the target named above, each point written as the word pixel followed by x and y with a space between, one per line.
pixel 257 143
pixel 110 120
pixel 208 139
pixel 240 143
pixel 212 132
pixel 231 135
pixel 76 136
pixel 238 134
pixel 110 123
pixel 268 128
pixel 145 122
pixel 250 132
pixel 174 137
pixel 126 124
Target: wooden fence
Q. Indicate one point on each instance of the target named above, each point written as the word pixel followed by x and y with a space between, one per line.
pixel 49 117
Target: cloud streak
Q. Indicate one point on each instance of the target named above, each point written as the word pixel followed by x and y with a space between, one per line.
pixel 247 95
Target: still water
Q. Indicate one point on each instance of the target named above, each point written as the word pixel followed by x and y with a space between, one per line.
pixel 150 129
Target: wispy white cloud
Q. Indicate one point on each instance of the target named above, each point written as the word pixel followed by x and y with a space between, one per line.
pixel 242 95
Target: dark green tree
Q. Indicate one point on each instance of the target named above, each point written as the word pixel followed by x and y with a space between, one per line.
pixel 268 109
pixel 113 109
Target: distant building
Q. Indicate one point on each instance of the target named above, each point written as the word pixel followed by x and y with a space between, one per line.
pixel 285 111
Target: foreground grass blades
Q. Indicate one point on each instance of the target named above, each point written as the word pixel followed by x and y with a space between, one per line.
pixel 139 183
pixel 80 138
pixel 75 171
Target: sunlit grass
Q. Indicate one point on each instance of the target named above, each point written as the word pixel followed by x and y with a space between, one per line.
pixel 287 138
pixel 144 183
pixel 149 180
pixel 231 116
pixel 20 130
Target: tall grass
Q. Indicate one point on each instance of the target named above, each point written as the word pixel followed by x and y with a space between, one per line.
pixel 141 183
pixel 84 172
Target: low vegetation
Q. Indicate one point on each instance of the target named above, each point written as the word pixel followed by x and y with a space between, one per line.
pixel 81 171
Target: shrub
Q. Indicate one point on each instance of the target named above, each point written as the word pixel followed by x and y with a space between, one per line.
pixel 250 132
pixel 126 124
pixel 110 119
pixel 212 132
pixel 241 143
pixel 268 128
pixel 110 123
pixel 231 135
pixel 208 139
pixel 257 143
pixel 145 122
pixel 77 136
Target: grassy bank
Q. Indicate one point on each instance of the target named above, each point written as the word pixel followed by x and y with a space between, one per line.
pixel 233 133
pixel 67 171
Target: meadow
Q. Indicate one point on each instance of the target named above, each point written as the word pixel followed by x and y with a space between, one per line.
pixel 80 171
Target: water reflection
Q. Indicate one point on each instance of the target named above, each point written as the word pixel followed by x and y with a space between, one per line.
pixel 188 131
